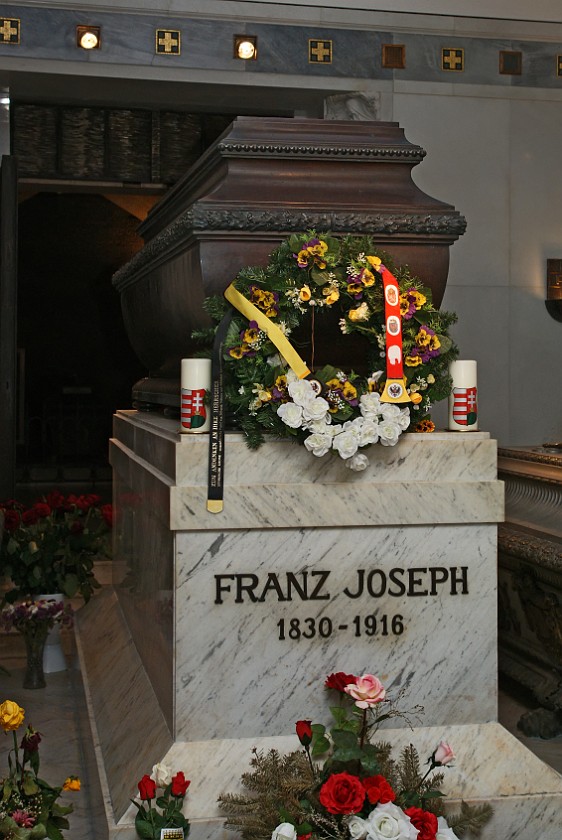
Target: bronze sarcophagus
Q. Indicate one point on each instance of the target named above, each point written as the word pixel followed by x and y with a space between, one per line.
pixel 262 180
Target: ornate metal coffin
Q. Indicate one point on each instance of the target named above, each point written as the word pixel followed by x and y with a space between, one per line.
pixel 263 179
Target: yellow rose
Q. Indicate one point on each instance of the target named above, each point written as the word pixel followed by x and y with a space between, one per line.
pixel 416 397
pixel 72 783
pixel 305 293
pixel 11 715
pixel 360 314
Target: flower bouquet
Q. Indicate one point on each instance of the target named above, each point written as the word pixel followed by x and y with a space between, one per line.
pixel 28 805
pixel 344 786
pixel 50 547
pixel 34 619
pixel 164 819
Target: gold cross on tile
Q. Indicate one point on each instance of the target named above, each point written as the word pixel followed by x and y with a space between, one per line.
pixel 319 52
pixel 167 41
pixel 7 30
pixel 452 59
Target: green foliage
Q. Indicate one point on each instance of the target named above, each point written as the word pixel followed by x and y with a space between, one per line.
pixel 471 819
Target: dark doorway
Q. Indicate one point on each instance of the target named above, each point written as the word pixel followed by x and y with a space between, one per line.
pixel 75 361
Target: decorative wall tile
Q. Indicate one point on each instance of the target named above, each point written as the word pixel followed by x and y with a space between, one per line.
pixel 9 30
pixel 168 41
pixel 319 52
pixel 452 59
pixel 510 62
pixel 394 56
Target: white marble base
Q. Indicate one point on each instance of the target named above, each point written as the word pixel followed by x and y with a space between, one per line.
pixel 221 628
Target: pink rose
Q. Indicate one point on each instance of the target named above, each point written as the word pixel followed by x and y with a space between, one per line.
pixel 443 754
pixel 366 691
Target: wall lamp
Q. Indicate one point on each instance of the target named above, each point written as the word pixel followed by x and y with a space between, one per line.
pixel 245 47
pixel 553 300
pixel 88 37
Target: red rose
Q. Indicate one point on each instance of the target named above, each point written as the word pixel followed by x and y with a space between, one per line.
pixel 11 520
pixel 29 517
pixel 179 784
pixel 147 787
pixel 378 790
pixel 107 513
pixel 30 741
pixel 42 509
pixel 77 528
pixel 304 732
pixel 339 680
pixel 55 500
pixel 342 793
pixel 424 821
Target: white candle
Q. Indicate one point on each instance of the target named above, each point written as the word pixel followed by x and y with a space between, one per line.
pixel 195 389
pixel 463 401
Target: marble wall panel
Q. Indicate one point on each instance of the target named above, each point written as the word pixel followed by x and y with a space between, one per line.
pixel 238 670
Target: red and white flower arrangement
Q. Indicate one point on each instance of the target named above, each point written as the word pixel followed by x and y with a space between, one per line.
pixel 152 820
pixel 344 786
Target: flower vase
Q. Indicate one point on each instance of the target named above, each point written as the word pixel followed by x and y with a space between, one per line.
pixel 54 659
pixel 34 638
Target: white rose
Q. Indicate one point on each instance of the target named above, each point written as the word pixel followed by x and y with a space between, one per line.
pixel 370 405
pixel 162 775
pixel 358 462
pixel 443 830
pixel 369 433
pixel 290 414
pixel 284 831
pixel 357 828
pixel 388 822
pixel 320 427
pixel 390 411
pixel 346 443
pixel 301 391
pixel 318 444
pixel 316 409
pixel 404 419
pixel 389 432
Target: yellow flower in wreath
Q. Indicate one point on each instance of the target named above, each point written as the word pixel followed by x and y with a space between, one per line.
pixel 413 361
pixel 331 293
pixel 362 313
pixel 305 294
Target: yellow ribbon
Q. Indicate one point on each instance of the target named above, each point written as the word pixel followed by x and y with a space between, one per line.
pixel 275 335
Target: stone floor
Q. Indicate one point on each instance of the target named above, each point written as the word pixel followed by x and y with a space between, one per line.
pixel 59 713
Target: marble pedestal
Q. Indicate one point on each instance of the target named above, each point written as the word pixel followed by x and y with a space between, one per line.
pixel 219 629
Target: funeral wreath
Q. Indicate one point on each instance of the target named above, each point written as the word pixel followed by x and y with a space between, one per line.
pixel 343 785
pixel 270 389
pixel 29 809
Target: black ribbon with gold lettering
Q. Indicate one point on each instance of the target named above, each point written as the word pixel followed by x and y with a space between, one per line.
pixel 215 487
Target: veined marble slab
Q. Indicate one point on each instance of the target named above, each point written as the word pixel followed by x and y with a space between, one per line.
pixel 396 602
pixel 222 628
